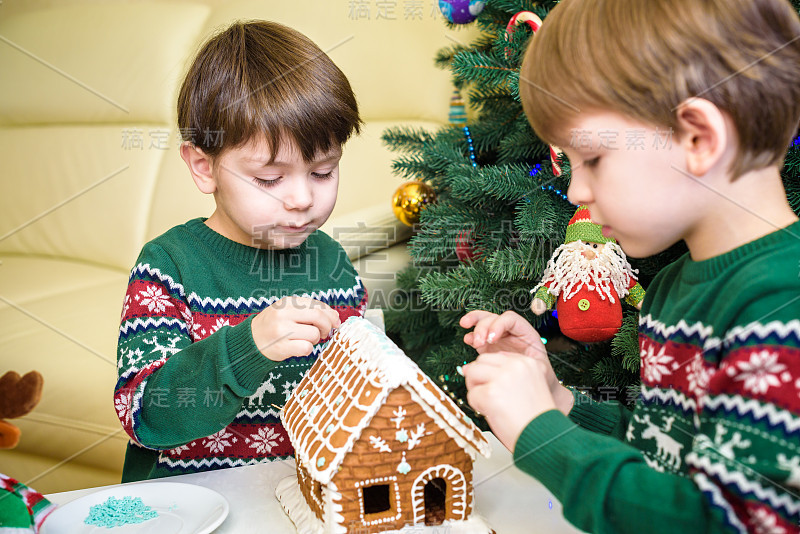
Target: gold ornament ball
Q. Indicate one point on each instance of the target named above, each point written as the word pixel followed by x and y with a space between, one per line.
pixel 409 200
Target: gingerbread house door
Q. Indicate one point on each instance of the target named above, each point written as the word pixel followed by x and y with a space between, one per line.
pixel 439 493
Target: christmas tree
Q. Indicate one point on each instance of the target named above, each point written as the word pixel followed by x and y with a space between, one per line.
pixel 500 213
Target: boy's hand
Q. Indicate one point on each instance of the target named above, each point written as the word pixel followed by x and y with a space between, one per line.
pixel 510 390
pixel 507 332
pixel 510 332
pixel 292 326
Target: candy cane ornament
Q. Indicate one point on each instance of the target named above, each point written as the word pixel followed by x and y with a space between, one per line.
pixel 555 160
pixel 531 19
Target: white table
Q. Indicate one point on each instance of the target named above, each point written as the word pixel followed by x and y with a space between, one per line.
pixel 510 500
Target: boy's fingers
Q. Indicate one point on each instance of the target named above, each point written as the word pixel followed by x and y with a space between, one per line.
pixel 324 323
pixel 306 332
pixel 516 324
pixel 495 359
pixel 487 329
pixel 484 364
pixel 296 348
pixel 329 313
pixel 468 339
pixel 336 321
pixel 472 318
pixel 481 330
pixel 475 396
pixel 314 312
pixel 508 323
pixel 476 374
pixel 500 325
pixel 287 348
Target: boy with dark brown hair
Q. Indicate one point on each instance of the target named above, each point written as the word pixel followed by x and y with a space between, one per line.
pixel 712 87
pixel 224 315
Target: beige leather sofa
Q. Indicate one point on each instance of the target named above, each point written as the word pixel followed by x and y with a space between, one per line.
pixel 89 172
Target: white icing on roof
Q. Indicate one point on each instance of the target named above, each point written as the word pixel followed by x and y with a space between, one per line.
pixel 346 387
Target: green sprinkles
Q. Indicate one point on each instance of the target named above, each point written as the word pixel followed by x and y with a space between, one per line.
pixel 118 512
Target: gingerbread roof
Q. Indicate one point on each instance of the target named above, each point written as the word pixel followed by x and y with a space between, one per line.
pixel 347 385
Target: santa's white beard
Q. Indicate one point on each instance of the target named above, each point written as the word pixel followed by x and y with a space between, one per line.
pixel 568 271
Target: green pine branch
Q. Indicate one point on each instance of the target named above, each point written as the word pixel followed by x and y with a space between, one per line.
pixel 407 139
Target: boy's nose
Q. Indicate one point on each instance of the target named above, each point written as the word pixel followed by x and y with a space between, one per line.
pixel 299 197
pixel 579 192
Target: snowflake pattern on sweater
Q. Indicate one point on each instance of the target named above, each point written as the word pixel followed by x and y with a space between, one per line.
pixel 193 389
pixel 723 422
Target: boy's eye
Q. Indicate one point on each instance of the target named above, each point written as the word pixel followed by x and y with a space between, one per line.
pixel 321 175
pixel 592 162
pixel 263 182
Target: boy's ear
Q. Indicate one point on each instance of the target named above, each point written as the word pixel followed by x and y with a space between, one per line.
pixel 704 134
pixel 200 166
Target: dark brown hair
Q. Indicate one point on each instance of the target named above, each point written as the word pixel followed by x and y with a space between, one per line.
pixel 262 79
pixel 643 59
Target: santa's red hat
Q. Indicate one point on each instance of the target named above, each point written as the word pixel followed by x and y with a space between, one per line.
pixel 582 227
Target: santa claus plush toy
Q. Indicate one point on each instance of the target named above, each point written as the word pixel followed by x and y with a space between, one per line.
pixel 585 279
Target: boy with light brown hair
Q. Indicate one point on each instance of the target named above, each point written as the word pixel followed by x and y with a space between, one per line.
pixel 224 315
pixel 712 88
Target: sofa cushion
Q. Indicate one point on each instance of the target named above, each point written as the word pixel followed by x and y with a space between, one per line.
pixel 75 192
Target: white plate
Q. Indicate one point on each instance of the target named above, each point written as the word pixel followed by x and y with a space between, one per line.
pixel 182 508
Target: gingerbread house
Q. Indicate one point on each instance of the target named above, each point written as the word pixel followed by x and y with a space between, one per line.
pixel 378 446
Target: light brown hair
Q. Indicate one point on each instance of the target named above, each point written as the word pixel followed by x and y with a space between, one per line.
pixel 642 59
pixel 261 78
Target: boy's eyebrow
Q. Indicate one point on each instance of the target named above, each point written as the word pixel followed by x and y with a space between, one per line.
pixel 329 158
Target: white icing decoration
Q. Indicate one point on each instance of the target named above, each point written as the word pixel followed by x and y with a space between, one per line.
pixel 320 462
pixel 380 444
pixel 416 436
pixel 339 400
pixel 399 415
pixel 401 436
pixel 457 491
pixel 329 429
pixel 404 468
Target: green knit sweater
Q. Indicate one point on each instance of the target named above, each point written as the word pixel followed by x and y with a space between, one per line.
pixel 712 444
pixel 194 393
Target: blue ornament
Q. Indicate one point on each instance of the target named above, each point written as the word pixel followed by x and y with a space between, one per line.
pixel 461 11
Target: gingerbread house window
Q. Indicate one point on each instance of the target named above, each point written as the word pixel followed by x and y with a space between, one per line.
pixel 379 501
pixel 376 499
